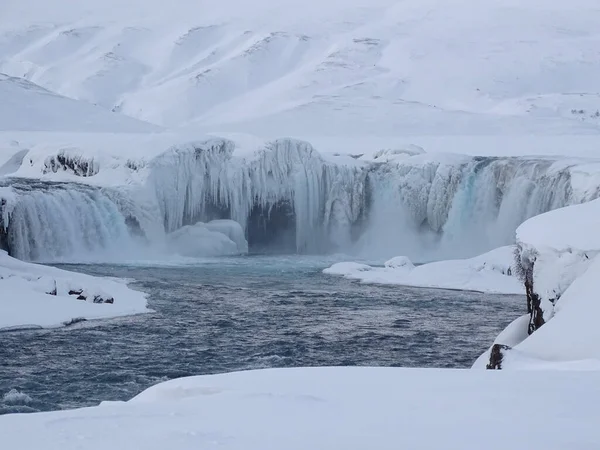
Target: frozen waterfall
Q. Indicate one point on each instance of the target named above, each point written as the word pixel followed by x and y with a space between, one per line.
pixel 52 221
pixel 286 197
pixel 203 182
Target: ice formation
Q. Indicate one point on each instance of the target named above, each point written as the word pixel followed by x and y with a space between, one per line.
pixel 285 196
pixel 215 238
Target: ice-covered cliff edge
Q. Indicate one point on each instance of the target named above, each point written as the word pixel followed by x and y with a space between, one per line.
pixel 284 194
pixel 558 256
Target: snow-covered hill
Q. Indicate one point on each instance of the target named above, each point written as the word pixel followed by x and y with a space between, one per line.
pixel 305 68
pixel 25 106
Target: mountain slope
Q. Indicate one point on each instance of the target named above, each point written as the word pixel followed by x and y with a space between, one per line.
pixel 25 106
pixel 319 68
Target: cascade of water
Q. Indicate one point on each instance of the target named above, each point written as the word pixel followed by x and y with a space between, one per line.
pixel 49 224
pixel 423 207
pixel 473 205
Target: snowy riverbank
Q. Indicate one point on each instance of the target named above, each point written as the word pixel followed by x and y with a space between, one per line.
pixel 491 272
pixel 36 296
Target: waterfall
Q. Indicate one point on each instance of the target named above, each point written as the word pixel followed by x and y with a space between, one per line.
pixel 52 222
pixel 287 197
pixel 440 209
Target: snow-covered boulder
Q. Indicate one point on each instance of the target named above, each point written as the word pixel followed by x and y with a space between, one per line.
pixel 398 262
pixel 558 262
pixel 491 272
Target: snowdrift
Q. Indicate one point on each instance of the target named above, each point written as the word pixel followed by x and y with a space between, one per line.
pixel 326 408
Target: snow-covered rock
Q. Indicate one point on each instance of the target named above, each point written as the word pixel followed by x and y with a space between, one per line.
pixel 491 272
pixel 559 264
pixel 32 295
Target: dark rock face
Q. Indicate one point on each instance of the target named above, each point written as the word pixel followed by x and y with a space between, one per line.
pixel 3 227
pixel 533 303
pixel 524 271
pixel 496 356
pixel 78 165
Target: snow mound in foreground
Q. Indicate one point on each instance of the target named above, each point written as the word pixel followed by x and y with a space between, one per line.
pixel 215 238
pixel 328 408
pixel 34 296
pixel 558 254
pixel 490 272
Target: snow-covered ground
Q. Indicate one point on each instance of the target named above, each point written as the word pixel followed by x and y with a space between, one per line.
pixel 37 296
pixel 333 408
pixel 491 272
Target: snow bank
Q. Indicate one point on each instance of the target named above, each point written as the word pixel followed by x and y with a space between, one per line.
pixel 215 238
pixel 491 272
pixel 560 267
pixel 328 408
pixel 32 295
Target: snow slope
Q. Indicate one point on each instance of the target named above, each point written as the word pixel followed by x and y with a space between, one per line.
pixel 332 408
pixel 335 68
pixel 36 296
pixel 25 106
pixel 491 272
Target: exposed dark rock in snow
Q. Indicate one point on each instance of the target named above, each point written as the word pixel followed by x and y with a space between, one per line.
pixel 53 291
pixel 496 356
pixel 78 165
pixel 74 321
pixel 100 299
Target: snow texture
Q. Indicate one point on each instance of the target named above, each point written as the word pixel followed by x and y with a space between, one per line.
pixel 326 408
pixel 490 272
pixel 35 296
